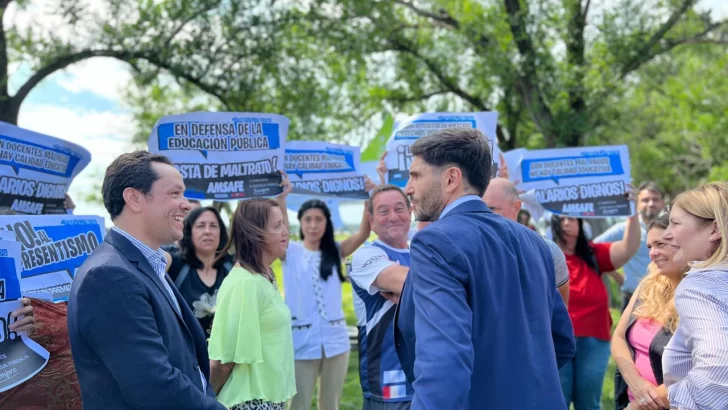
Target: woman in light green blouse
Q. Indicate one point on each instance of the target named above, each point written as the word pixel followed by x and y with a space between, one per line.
pixel 251 347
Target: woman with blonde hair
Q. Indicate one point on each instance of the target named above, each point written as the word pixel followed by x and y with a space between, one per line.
pixel 646 326
pixel 251 346
pixel 695 362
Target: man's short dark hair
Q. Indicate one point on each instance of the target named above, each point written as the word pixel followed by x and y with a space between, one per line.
pixel 465 148
pixel 649 186
pixel 132 170
pixel 384 188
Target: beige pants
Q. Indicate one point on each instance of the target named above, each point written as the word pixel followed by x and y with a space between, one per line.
pixel 332 371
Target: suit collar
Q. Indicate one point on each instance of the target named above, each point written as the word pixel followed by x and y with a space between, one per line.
pixel 467 207
pixel 134 255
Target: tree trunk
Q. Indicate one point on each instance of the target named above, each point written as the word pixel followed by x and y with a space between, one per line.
pixel 9 111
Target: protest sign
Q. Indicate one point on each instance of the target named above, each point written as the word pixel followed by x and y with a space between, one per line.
pixel 583 182
pixel 20 357
pixel 53 248
pixel 407 132
pixel 322 168
pixel 224 156
pixel 36 170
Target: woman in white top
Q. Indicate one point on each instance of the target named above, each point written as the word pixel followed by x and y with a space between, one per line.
pixel 695 361
pixel 312 278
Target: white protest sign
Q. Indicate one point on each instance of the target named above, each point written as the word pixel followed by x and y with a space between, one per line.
pixel 36 170
pixel 582 182
pixel 223 155
pixel 321 168
pixel 20 357
pixel 53 248
pixel 407 132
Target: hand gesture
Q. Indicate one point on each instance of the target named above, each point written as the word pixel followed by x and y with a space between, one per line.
pixel 68 203
pixel 27 323
pixel 392 297
pixel 382 169
pixel 646 396
pixel 285 184
pixel 503 170
pixel 369 184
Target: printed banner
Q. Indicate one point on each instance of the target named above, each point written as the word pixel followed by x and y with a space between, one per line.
pixel 222 155
pixel 321 168
pixel 582 182
pixel 53 248
pixel 20 357
pixel 407 132
pixel 36 170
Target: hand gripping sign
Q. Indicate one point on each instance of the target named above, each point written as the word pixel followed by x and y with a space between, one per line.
pixel 20 357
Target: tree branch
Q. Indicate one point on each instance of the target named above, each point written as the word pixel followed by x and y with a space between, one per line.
pixel 444 17
pixel 64 61
pixel 586 9
pixel 3 55
pixel 669 46
pixel 415 98
pixel 442 78
pixel 188 20
pixel 643 54
pixel 527 82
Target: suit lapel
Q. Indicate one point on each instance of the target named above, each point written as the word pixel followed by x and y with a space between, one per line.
pixel 195 330
pixel 135 256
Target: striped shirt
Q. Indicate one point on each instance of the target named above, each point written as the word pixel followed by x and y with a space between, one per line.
pixel 159 264
pixel 695 362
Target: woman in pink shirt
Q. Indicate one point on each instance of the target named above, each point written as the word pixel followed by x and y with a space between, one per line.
pixel 646 326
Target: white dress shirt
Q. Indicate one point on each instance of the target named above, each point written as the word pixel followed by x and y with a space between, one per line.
pixel 695 362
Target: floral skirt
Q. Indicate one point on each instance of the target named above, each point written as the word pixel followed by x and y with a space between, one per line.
pixel 259 405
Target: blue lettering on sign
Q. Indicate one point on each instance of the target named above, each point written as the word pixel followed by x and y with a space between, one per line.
pixel 420 128
pixel 9 277
pixel 327 161
pixel 35 157
pixel 593 164
pixel 241 134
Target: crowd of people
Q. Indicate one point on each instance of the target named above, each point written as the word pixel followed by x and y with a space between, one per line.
pixel 174 310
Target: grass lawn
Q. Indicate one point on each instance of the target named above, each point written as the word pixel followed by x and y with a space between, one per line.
pixel 352 397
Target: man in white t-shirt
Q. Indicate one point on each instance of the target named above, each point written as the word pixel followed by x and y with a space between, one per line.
pixel 378 271
pixel 502 198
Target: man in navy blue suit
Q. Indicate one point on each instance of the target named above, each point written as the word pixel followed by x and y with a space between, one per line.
pixel 135 342
pixel 480 322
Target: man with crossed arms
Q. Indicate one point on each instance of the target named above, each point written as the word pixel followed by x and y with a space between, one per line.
pixel 378 271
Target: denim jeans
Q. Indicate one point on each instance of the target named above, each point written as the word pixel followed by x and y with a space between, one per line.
pixel 583 377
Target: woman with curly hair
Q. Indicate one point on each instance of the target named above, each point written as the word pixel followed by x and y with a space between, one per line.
pixel 648 323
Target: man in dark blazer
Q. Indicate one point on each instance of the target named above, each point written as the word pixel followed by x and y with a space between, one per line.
pixel 480 322
pixel 135 342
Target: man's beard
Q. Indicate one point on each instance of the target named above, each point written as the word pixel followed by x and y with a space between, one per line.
pixel 429 207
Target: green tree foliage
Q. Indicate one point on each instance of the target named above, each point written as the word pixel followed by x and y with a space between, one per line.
pixel 674 120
